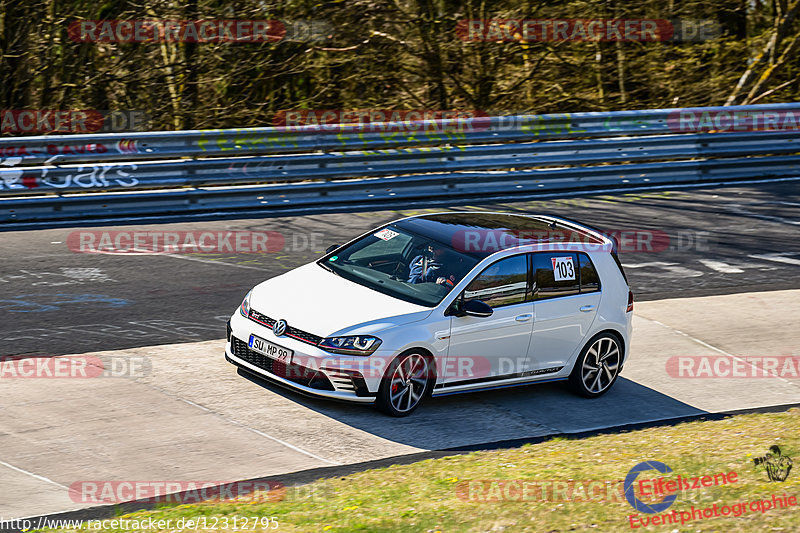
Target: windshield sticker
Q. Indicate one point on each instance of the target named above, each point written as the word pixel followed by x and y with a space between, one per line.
pixel 563 270
pixel 333 258
pixel 386 234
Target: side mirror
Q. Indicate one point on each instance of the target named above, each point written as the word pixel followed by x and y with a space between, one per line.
pixel 477 308
pixel 331 248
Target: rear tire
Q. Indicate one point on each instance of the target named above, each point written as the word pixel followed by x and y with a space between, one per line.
pixel 597 367
pixel 406 383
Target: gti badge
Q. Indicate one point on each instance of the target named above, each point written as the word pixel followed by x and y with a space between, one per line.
pixel 279 328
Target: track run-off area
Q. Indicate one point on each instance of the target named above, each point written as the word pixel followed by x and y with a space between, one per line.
pixel 722 281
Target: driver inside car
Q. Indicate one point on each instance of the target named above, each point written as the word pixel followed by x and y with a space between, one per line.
pixel 428 267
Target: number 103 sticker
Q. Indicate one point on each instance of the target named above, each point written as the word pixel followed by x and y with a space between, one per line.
pixel 563 269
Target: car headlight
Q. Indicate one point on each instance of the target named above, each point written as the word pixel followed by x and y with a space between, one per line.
pixel 351 345
pixel 245 307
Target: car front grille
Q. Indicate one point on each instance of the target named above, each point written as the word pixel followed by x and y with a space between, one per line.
pixel 296 333
pixel 263 319
pixel 293 372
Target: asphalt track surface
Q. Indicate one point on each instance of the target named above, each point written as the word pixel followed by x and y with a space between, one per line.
pixel 54 301
pixel 735 241
pixel 191 416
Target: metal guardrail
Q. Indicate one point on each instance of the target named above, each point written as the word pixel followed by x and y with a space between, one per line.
pixel 81 178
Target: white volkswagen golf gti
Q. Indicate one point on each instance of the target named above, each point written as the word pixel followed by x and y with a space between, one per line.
pixel 442 304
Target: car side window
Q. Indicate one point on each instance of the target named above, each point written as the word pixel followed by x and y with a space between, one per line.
pixel 556 274
pixel 590 281
pixel 504 282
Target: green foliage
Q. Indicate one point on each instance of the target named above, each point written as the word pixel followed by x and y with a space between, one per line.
pixel 378 54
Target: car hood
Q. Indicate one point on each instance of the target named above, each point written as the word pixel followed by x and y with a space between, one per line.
pixel 323 303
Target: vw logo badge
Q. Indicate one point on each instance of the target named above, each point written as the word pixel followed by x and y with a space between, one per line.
pixel 279 328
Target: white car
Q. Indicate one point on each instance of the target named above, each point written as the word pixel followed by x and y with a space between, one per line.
pixel 442 304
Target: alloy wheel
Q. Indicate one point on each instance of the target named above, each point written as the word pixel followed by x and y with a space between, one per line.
pixel 601 364
pixel 408 382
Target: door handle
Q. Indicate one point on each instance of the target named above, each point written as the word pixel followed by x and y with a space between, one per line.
pixel 587 308
pixel 523 318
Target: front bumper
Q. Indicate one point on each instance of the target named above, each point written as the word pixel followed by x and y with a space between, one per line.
pixel 314 380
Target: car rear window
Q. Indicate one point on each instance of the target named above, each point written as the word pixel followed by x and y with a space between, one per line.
pixel 564 274
pixel 556 274
pixel 589 280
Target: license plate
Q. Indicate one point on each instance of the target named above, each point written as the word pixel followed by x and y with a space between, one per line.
pixel 269 349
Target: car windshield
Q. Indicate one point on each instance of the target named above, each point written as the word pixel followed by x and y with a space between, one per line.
pixel 402 264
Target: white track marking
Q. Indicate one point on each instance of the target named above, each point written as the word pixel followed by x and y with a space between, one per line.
pixel 37 476
pixel 211 262
pixel 710 347
pixel 237 423
pixel 719 266
pixel 736 208
pixel 261 433
pixel 779 257
pixel 671 267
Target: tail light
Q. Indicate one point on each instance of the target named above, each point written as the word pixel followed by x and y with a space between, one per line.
pixel 630 302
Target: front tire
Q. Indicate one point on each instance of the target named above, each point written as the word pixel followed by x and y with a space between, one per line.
pixel 407 381
pixel 597 366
